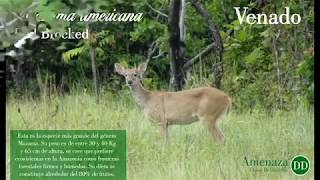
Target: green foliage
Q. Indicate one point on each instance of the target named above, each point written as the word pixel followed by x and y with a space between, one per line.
pixel 262 70
pixel 68 55
pixel 16 5
pixel 145 30
pixel 306 71
pixel 105 39
pixel 254 56
pixel 269 66
pixel 48 11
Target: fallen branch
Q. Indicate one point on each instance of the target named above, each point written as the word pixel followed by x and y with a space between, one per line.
pixel 196 58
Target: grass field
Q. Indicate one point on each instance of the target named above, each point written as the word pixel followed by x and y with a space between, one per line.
pixel 191 154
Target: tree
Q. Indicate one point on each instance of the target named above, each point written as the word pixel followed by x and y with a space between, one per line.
pixel 177 37
pixel 176 40
pixel 218 45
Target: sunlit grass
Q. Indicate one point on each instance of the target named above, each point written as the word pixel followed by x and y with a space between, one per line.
pixel 191 153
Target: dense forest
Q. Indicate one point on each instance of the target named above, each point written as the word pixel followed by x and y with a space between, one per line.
pixel 71 84
pixel 187 43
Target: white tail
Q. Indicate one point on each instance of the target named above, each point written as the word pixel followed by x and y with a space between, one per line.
pixel 205 104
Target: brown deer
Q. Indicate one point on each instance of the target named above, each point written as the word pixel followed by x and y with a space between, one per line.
pixel 205 104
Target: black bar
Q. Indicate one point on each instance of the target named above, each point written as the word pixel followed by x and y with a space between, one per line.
pixel 3 110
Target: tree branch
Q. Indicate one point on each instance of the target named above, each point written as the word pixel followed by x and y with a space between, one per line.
pixel 23 13
pixel 196 58
pixel 8 24
pixel 31 35
pixel 157 11
pixel 17 16
pixel 152 49
pixel 5 29
pixel 161 53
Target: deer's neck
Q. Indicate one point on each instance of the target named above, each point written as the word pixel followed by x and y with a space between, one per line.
pixel 141 94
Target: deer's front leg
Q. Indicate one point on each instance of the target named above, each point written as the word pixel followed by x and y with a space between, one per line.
pixel 164 132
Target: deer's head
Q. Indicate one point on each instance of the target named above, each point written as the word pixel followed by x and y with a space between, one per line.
pixel 134 75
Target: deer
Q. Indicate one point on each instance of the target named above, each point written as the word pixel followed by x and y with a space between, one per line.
pixel 205 104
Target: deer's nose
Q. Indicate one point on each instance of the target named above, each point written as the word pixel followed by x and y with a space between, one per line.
pixel 129 82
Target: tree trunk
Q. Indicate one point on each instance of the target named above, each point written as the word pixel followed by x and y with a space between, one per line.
pixel 218 67
pixel 176 40
pixel 94 69
pixel 19 75
pixel 2 76
pixel 94 72
pixel 276 51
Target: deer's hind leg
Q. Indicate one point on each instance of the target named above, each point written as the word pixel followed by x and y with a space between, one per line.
pixel 211 121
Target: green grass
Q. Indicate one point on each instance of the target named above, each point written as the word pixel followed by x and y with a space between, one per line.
pixel 191 153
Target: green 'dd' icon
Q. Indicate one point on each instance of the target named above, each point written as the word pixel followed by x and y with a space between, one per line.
pixel 300 165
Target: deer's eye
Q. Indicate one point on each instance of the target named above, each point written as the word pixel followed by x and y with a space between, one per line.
pixel 135 75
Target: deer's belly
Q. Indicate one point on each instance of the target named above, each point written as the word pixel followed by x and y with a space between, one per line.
pixel 181 119
pixel 171 117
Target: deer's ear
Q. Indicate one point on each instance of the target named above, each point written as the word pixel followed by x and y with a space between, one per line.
pixel 142 67
pixel 119 68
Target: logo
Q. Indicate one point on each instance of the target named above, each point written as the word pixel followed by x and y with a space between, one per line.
pixel 267 165
pixel 300 165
